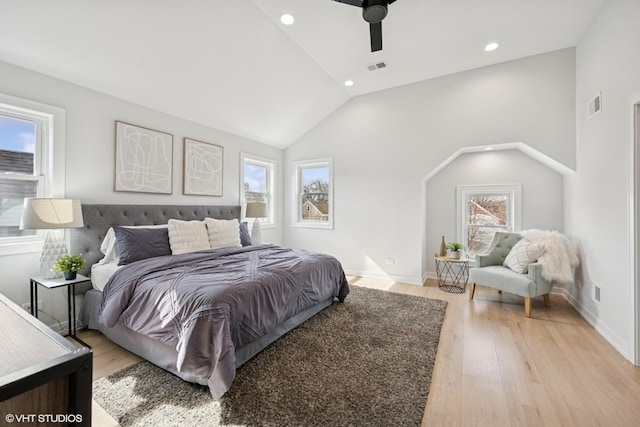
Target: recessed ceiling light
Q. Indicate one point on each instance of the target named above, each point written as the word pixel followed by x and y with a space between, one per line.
pixel 348 83
pixel 488 148
pixel 491 47
pixel 287 19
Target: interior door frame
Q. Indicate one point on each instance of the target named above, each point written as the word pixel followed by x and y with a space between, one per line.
pixel 634 223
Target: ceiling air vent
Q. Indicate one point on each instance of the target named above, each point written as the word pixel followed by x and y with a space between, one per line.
pixel 377 66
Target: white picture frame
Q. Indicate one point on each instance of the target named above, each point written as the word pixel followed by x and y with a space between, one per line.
pixel 203 168
pixel 144 160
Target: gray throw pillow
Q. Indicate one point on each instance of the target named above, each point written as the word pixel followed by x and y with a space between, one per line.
pixel 135 244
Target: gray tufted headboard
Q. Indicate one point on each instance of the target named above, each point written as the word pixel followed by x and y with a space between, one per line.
pixel 99 218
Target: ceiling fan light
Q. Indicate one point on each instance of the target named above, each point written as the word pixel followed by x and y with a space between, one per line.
pixel 287 19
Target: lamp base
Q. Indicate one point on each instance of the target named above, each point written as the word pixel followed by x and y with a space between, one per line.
pixel 53 248
pixel 256 232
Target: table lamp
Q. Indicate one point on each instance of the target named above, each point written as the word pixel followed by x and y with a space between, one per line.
pixel 256 210
pixel 52 215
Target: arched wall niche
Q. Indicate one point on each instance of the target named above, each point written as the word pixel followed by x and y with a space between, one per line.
pixel 541 178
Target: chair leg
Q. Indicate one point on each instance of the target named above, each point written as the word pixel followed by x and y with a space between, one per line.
pixel 527 307
pixel 547 300
pixel 472 289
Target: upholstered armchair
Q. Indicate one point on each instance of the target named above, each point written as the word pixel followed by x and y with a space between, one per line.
pixel 489 271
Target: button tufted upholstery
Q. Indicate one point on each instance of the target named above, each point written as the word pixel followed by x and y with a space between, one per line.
pixel 99 218
pixel 490 272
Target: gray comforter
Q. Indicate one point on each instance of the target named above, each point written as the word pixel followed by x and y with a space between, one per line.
pixel 207 304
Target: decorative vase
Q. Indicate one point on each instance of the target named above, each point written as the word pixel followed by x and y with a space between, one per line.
pixel 443 248
pixel 70 275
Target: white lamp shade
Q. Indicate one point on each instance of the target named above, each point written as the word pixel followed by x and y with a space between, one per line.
pixel 42 213
pixel 256 210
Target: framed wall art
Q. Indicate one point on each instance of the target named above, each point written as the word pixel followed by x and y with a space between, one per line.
pixel 202 168
pixel 144 159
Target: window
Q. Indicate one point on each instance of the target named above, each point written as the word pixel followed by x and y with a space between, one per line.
pixel 27 162
pixel 21 172
pixel 258 184
pixel 483 210
pixel 19 176
pixel 314 193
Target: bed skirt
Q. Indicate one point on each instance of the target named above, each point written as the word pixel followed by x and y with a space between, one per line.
pixel 165 356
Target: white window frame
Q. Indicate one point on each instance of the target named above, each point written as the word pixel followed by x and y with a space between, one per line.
pixel 48 160
pixel 270 164
pixel 514 218
pixel 297 193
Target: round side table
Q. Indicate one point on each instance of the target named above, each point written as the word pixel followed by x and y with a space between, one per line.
pixel 453 274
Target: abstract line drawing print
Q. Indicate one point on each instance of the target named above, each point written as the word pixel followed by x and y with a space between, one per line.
pixel 202 168
pixel 144 160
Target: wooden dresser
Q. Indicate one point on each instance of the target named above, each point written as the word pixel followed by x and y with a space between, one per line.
pixel 44 379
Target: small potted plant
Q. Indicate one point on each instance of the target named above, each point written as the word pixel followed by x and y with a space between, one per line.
pixel 454 249
pixel 69 265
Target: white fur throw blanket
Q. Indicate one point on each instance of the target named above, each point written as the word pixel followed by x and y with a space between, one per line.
pixel 558 259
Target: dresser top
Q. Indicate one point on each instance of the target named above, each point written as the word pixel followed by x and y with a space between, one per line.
pixel 26 341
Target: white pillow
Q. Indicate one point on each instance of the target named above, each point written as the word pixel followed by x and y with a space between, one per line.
pixel 187 236
pixel 109 248
pixel 223 233
pixel 521 255
pixel 109 245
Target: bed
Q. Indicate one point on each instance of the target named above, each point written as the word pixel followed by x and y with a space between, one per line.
pixel 199 314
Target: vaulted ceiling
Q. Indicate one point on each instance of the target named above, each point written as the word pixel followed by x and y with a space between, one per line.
pixel 231 64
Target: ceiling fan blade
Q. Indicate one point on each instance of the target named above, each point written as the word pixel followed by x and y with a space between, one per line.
pixel 358 3
pixel 375 31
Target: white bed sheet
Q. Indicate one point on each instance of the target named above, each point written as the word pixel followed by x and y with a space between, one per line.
pixel 101 273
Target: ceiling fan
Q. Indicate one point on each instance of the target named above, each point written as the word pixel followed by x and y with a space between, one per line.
pixel 373 11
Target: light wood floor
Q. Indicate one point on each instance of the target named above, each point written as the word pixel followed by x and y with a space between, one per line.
pixel 495 367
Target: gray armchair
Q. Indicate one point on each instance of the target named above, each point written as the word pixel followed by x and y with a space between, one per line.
pixel 490 272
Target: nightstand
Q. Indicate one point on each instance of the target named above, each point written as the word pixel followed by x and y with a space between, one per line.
pixel 71 300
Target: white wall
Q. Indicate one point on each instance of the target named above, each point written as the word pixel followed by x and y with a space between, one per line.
pixel 597 212
pixel 90 157
pixel 384 144
pixel 542 193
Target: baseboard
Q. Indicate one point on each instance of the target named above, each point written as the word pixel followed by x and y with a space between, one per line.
pixel 612 338
pixel 430 275
pixel 59 326
pixel 407 280
pixel 383 276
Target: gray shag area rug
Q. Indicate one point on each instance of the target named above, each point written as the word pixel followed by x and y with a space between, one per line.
pixel 367 362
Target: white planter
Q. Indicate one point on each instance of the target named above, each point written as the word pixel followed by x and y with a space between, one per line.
pixel 454 254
